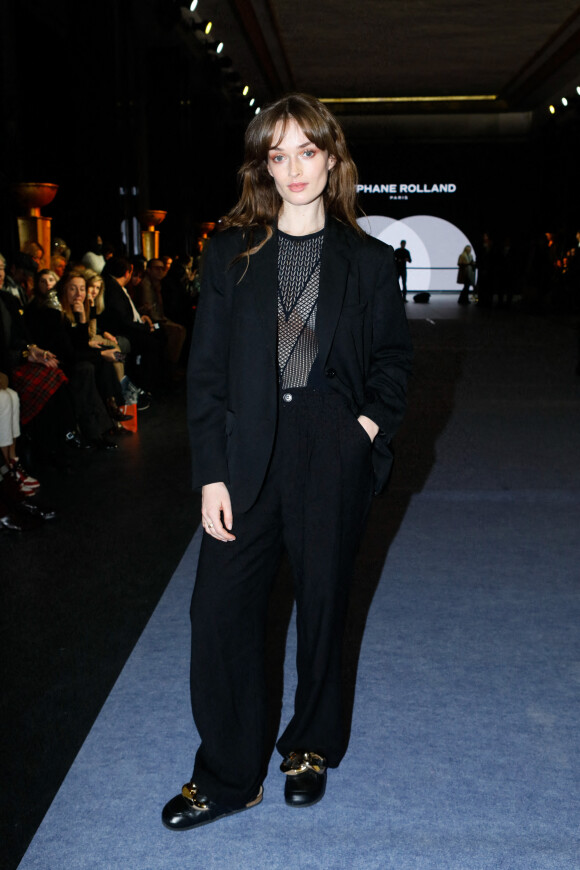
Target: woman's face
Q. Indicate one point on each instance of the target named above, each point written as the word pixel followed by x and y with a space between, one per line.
pixel 93 290
pixel 58 265
pixel 75 291
pixel 45 284
pixel 299 168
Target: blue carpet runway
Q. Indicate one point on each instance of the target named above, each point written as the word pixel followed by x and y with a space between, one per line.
pixel 464 751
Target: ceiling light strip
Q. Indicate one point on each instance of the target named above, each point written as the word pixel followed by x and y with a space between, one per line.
pixel 451 99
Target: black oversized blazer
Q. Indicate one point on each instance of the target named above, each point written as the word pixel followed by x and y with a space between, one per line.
pixel 364 351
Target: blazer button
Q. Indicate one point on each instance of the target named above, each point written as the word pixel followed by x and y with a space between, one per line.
pixel 330 373
pixel 287 397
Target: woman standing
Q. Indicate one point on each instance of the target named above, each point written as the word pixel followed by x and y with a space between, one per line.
pixel 465 274
pixel 297 383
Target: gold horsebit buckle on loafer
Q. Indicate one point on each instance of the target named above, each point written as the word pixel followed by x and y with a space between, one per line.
pixel 189 792
pixel 299 762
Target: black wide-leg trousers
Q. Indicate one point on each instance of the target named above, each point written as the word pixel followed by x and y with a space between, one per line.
pixel 314 502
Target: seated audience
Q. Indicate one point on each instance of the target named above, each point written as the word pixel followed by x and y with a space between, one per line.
pixel 35 251
pixel 19 509
pixel 9 285
pixel 139 265
pixel 76 309
pixel 121 318
pixel 96 299
pixel 9 432
pixel 167 261
pixel 58 264
pixel 179 291
pixel 93 258
pixel 23 272
pixel 92 379
pixel 150 303
pixel 44 292
pixel 46 411
pixel 59 246
pixel 60 255
pixel 180 296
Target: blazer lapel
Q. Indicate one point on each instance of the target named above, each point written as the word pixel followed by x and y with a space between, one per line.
pixel 262 273
pixel 334 271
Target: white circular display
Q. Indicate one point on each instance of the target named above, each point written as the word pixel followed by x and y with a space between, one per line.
pixel 434 244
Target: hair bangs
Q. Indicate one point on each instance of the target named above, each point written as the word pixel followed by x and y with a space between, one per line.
pixel 318 126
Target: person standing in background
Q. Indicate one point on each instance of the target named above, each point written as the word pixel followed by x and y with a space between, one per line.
pixel 402 257
pixel 465 274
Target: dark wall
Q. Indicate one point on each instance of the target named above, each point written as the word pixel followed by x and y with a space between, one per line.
pixel 110 96
pixel 510 188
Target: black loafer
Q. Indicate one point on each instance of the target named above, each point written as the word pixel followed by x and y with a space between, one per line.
pixel 305 778
pixel 191 810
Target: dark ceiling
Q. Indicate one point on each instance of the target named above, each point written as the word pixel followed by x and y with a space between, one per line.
pixel 523 53
pixel 126 105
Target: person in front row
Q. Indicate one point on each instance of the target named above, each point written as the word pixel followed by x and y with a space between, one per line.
pixel 120 317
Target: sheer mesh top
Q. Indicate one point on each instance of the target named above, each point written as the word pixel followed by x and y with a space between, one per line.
pixel 298 282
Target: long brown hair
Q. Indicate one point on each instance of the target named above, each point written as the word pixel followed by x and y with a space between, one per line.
pixel 75 272
pixel 260 202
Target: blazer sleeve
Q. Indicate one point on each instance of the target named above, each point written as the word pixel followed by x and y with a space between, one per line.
pixel 208 368
pixel 385 387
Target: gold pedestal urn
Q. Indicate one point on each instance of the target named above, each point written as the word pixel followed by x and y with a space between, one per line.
pixel 32 226
pixel 150 235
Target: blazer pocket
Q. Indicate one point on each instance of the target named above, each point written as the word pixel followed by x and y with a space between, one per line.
pixel 362 432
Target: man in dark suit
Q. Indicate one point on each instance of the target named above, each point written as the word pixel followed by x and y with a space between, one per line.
pixel 121 318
